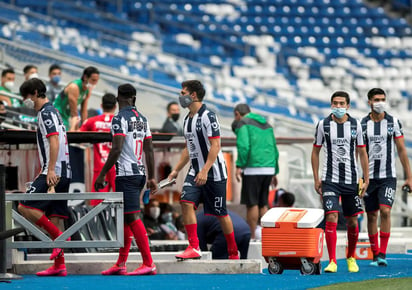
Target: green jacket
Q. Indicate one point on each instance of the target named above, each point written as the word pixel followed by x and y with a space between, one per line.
pixel 61 103
pixel 256 146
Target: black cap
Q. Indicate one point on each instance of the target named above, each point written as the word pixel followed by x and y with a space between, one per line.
pixel 126 91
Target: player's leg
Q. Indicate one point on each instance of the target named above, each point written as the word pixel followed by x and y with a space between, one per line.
pixel 372 208
pixel 352 207
pixel 249 197
pixel 386 198
pixel 228 231
pixel 189 200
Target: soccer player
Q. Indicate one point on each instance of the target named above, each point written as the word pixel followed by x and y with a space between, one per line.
pixel 102 123
pixel 56 172
pixel 131 137
pixel 207 176
pixel 341 137
pixel 381 133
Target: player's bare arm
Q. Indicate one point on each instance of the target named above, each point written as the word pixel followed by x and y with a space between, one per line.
pixel 364 160
pixel 52 178
pixel 201 177
pixel 315 169
pixel 184 159
pixel 149 156
pixel 403 156
pixel 73 92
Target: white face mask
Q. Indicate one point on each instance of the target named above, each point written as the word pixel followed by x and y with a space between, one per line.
pixel 155 212
pixel 379 107
pixel 28 103
pixel 9 85
pixel 32 76
pixel 89 86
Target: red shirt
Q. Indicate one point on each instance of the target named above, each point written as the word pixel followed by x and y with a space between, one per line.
pixel 101 123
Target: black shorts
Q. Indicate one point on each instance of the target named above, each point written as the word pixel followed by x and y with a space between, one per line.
pixel 212 194
pixel 131 186
pixel 380 192
pixel 255 190
pixel 51 208
pixel 351 202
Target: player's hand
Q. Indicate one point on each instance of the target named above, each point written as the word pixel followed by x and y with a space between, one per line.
pixel 74 123
pixel 52 179
pixel 201 178
pixel 173 174
pixel 152 185
pixel 318 186
pixel 274 181
pixel 363 188
pixel 407 186
pixel 238 174
pixel 99 183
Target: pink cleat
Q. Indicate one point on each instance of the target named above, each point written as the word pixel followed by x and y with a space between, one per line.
pixel 115 270
pixel 234 256
pixel 144 270
pixel 189 253
pixel 53 271
pixel 57 252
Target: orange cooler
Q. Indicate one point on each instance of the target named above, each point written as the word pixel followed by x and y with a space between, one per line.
pixel 291 241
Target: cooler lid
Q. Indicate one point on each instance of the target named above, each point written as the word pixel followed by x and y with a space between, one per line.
pixel 303 217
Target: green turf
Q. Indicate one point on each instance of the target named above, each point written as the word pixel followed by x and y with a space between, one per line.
pixel 392 284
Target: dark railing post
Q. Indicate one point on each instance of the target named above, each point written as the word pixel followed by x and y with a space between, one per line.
pixel 4 276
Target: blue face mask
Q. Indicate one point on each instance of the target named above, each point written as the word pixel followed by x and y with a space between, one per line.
pixel 56 79
pixel 339 112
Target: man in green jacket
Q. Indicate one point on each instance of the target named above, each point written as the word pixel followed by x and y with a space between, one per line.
pixel 257 162
pixel 74 94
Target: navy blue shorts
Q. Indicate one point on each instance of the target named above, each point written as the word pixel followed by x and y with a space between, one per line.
pixel 380 192
pixel 351 202
pixel 131 186
pixel 212 194
pixel 51 208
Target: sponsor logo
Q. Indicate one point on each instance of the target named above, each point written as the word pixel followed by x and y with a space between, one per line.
pixel 48 123
pixel 116 127
pixel 329 193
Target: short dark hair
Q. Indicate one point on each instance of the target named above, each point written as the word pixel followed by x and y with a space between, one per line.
pixel 28 67
pixel 108 101
pixel 287 198
pixel 375 91
pixel 88 71
pixel 53 67
pixel 30 87
pixel 243 109
pixel 7 71
pixel 126 91
pixel 195 86
pixel 342 94
pixel 171 104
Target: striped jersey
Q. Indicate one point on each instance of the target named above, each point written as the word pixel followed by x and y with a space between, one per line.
pixel 50 123
pixel 135 128
pixel 198 130
pixel 380 138
pixel 339 142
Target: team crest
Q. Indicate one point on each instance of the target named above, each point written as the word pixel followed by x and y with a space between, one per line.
pixel 390 130
pixel 353 133
pixel 329 204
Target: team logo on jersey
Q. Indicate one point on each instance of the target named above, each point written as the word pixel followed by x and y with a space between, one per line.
pixel 198 125
pixel 329 204
pixel 353 133
pixel 390 130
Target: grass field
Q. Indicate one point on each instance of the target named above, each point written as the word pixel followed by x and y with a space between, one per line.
pixel 390 284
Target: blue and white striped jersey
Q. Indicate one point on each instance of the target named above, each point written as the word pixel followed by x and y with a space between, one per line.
pixel 380 138
pixel 50 123
pixel 197 131
pixel 339 142
pixel 135 128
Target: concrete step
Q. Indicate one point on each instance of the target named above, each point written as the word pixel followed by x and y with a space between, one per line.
pixel 133 256
pixel 163 267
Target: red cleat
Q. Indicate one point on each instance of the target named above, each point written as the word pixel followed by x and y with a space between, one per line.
pixel 57 252
pixel 115 270
pixel 53 271
pixel 234 256
pixel 189 253
pixel 144 270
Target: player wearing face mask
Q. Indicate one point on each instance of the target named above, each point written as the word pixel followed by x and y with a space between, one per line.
pixel 381 132
pixel 76 93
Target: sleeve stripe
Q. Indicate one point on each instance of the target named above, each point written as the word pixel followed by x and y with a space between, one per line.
pixel 119 134
pixel 51 134
pixel 399 137
pixel 316 145
pixel 214 137
pixel 148 137
pixel 364 145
